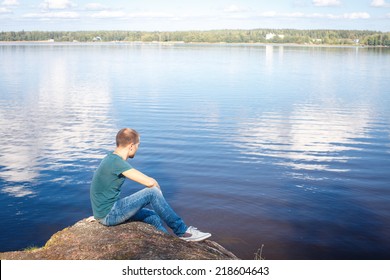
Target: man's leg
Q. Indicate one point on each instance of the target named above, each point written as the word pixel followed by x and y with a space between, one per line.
pixel 150 217
pixel 127 207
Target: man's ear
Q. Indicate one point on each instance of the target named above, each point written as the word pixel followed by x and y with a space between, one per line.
pixel 131 146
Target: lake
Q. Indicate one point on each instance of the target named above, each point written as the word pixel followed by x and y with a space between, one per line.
pixel 285 147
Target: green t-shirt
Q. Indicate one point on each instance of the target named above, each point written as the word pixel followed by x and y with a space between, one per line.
pixel 106 184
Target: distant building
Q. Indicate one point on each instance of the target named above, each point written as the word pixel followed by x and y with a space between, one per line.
pixel 270 36
pixel 97 38
pixel 51 40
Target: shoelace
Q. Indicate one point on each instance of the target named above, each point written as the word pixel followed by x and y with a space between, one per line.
pixel 192 228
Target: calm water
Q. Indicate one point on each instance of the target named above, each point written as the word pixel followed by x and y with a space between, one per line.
pixel 283 146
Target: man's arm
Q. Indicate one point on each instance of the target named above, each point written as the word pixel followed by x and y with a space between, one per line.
pixel 139 177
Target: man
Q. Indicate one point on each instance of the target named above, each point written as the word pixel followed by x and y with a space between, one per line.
pixel 109 209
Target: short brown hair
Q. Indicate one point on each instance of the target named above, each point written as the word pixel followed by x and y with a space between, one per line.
pixel 126 136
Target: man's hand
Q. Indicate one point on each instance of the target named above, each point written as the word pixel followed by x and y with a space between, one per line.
pixel 157 185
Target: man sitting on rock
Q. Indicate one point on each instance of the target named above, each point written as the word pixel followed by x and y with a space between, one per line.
pixel 109 209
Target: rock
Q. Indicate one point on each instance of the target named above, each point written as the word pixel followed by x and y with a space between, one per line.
pixel 87 240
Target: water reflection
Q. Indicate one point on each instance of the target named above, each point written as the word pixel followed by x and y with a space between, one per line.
pixel 281 53
pixel 269 55
pixel 291 115
pixel 67 119
pixel 310 137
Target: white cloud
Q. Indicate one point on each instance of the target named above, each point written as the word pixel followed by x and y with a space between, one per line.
pixel 379 3
pixel 269 14
pixel 4 10
pixel 326 16
pixel 10 3
pixel 57 4
pixel 235 9
pixel 53 15
pixel 326 3
pixel 362 15
pixel 356 16
pixel 95 7
pixel 150 15
pixel 294 15
pixel 122 15
pixel 300 3
pixel 109 14
pixel 7 6
pixel 273 14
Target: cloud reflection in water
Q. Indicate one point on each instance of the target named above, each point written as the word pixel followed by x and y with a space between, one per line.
pixel 310 138
pixel 65 120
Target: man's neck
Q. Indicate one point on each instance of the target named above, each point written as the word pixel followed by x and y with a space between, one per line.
pixel 121 152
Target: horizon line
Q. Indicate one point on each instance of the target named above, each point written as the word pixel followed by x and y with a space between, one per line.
pixel 197 30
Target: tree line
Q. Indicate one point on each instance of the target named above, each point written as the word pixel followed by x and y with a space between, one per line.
pixel 292 36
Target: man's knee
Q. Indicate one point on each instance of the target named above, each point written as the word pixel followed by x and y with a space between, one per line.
pixel 155 190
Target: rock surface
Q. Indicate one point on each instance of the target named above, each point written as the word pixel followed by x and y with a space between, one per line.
pixel 87 240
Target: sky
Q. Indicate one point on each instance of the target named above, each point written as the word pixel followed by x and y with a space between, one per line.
pixel 175 15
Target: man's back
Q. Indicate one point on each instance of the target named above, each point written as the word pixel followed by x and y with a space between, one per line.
pixel 106 184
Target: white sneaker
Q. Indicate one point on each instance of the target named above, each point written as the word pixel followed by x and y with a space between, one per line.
pixel 193 234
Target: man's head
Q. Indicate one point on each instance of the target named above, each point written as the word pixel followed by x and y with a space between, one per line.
pixel 128 138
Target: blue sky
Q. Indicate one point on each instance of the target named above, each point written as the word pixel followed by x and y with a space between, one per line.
pixel 171 15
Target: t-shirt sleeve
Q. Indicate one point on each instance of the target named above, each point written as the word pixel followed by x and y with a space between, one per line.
pixel 121 166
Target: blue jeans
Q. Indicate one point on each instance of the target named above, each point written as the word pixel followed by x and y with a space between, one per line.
pixel 131 208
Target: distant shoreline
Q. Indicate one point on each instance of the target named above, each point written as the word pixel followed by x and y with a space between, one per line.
pixel 215 37
pixel 178 43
